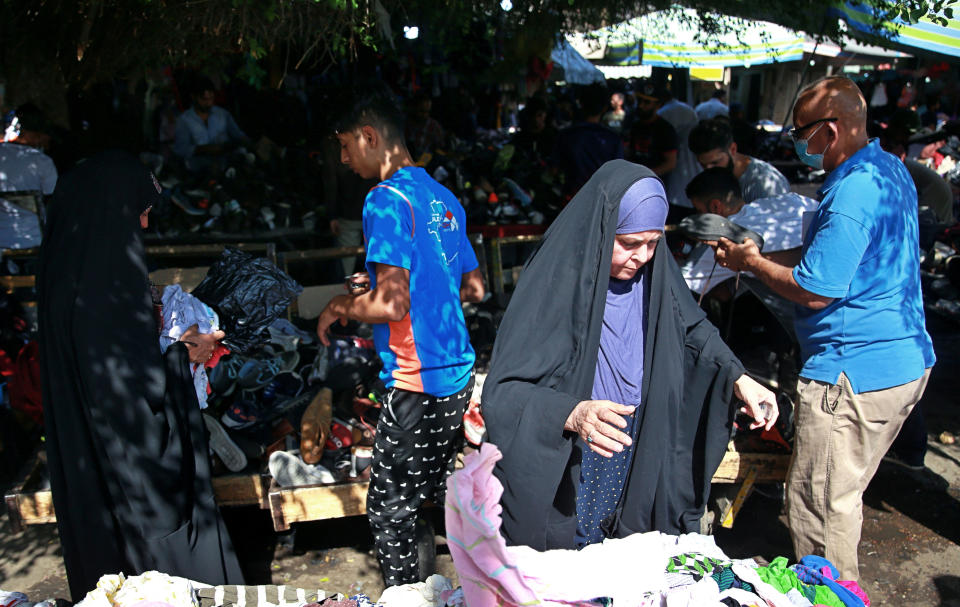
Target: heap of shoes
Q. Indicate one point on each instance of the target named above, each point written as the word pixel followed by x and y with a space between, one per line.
pixel 307 411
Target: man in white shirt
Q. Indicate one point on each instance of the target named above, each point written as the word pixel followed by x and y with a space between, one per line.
pixel 205 132
pixel 684 119
pixel 715 106
pixel 24 168
pixel 778 219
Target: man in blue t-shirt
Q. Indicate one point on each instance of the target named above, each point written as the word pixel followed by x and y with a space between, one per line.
pixel 860 323
pixel 421 266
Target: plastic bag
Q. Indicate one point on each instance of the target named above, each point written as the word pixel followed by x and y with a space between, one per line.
pixel 248 293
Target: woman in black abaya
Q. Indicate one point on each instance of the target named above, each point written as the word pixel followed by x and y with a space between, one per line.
pixel 126 446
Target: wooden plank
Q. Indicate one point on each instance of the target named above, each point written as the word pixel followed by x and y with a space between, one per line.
pixel 187 278
pixel 9 283
pixel 320 502
pixel 36 508
pixel 239 490
pixel 316 502
pixel 771 467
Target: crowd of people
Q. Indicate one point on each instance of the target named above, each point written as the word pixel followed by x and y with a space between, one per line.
pixel 610 394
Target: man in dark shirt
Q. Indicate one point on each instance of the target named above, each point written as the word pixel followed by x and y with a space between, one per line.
pixel 652 141
pixel 582 148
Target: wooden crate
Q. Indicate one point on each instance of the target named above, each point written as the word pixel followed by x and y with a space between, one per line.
pixel 28 504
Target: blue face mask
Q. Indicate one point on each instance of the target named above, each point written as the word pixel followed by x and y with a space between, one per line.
pixel 811 160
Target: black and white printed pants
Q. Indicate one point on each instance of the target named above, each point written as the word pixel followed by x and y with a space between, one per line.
pixel 418 438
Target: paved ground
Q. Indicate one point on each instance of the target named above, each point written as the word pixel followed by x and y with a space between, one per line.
pixel 910 553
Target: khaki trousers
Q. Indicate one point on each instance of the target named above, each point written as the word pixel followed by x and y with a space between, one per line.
pixel 841 438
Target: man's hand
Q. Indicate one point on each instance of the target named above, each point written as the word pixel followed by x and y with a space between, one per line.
pixel 761 404
pixel 335 310
pixel 737 257
pixel 335 227
pixel 597 423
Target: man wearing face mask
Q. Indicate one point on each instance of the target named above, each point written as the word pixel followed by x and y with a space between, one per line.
pixel 860 320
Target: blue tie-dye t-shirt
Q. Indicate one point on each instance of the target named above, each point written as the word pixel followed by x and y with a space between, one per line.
pixel 411 221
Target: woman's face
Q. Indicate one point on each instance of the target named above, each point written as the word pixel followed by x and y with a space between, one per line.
pixel 631 252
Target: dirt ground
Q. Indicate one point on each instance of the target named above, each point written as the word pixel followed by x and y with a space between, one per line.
pixel 909 554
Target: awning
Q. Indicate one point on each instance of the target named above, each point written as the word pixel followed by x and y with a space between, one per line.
pixel 576 69
pixel 665 39
pixel 925 35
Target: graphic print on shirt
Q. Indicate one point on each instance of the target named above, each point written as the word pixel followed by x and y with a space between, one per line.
pixel 445 228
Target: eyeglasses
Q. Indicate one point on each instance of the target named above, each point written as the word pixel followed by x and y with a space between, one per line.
pixel 794 133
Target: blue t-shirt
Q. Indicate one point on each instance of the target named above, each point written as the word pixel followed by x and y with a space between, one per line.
pixel 411 221
pixel 862 250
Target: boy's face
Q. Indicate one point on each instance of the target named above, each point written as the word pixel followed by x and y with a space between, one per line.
pixel 358 151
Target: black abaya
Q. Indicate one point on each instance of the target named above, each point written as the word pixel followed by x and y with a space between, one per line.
pixel 543 365
pixel 126 446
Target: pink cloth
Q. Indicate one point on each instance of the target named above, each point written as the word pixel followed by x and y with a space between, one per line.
pixel 488 574
pixel 629 570
pixel 849 585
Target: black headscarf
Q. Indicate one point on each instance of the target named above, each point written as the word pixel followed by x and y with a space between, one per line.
pixel 543 365
pixel 125 441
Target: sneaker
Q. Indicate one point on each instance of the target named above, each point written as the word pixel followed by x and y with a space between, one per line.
pixel 223 377
pixel 242 414
pixel 709 227
pixel 229 452
pixel 291 471
pixel 283 387
pixel 257 373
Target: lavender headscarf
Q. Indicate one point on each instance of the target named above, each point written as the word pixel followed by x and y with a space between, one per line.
pixel 619 373
pixel 620 363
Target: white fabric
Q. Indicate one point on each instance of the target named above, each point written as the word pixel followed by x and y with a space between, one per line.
pixel 771 595
pixel 118 591
pixel 706 545
pixel 628 570
pixel 778 219
pixel 180 312
pixel 683 118
pixel 704 593
pixel 796 597
pixel 420 594
pixel 712 108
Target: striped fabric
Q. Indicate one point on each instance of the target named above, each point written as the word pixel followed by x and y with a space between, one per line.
pixel 257 596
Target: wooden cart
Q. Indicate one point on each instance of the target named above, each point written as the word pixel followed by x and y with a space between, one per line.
pixel 28 503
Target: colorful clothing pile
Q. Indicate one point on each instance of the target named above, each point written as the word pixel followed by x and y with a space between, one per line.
pixel 644 569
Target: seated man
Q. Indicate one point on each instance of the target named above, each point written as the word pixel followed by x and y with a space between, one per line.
pixel 712 142
pixel 778 219
pixel 205 132
pixel 24 168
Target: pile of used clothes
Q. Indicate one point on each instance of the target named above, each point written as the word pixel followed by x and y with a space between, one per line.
pixel 156 589
pixel 644 569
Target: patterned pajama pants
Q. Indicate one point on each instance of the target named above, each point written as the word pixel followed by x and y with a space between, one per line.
pixel 418 438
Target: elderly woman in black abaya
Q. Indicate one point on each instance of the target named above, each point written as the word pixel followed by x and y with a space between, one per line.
pixel 610 395
pixel 126 446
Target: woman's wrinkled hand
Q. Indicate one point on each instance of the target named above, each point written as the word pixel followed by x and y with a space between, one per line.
pixel 760 403
pixel 200 346
pixel 598 422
